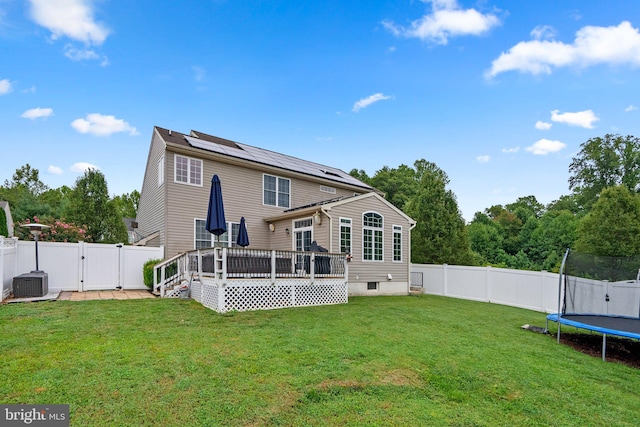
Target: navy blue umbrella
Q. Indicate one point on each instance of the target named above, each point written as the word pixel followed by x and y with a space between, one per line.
pixel 243 237
pixel 216 224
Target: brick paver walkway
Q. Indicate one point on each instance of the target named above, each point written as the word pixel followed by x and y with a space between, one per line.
pixel 93 295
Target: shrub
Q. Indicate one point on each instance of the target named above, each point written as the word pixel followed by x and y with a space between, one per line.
pixel 147 272
pixel 59 230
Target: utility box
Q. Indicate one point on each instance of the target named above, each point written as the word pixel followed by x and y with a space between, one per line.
pixel 34 284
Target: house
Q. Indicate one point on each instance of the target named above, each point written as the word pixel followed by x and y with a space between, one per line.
pixel 288 204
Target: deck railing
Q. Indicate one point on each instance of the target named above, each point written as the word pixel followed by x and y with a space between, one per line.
pixel 224 265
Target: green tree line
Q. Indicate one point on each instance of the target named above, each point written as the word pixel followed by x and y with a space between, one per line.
pixel 600 216
pixel 82 212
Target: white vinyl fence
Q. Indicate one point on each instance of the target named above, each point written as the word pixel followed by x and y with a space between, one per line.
pixel 8 264
pixel 533 290
pixel 76 266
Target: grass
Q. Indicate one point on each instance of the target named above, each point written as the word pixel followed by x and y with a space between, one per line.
pixel 375 361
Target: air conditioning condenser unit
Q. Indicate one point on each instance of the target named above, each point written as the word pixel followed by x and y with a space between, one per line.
pixel 34 284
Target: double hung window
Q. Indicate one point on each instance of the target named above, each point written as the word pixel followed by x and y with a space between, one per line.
pixel 276 191
pixel 188 170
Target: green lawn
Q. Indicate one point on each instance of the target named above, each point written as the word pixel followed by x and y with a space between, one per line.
pixel 375 361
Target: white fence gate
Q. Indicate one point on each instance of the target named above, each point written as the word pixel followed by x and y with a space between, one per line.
pixel 78 266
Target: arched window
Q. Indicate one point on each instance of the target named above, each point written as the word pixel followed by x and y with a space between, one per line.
pixel 372 227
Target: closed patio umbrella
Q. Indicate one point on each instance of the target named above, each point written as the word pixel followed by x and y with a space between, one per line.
pixel 216 224
pixel 243 237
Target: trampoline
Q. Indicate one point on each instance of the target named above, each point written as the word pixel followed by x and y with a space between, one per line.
pixel 599 294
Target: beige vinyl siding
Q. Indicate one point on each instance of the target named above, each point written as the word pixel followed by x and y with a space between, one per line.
pixel 306 192
pixel 241 194
pixel 242 190
pixel 151 209
pixel 372 271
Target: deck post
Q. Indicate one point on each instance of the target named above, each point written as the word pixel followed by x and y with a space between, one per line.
pixel 312 267
pixel 273 267
pixel 162 279
pixel 224 265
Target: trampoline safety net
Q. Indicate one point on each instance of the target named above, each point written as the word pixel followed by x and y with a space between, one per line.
pixel 600 285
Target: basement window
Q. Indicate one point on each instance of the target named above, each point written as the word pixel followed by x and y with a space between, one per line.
pixel 372 286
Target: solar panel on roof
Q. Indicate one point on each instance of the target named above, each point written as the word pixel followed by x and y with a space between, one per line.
pixel 272 158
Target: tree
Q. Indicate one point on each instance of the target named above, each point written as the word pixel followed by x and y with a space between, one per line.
pixel 525 207
pixel 399 185
pixel 22 193
pixel 439 235
pixel 603 163
pixel 4 231
pixel 127 204
pixel 555 233
pixel 89 206
pixel 613 225
pixel 27 177
pixel 361 175
pixel 485 240
pixel 565 203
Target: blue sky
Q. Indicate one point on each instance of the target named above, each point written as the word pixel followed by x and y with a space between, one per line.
pixel 499 94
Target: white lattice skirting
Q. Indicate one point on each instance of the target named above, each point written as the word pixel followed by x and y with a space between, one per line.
pixel 262 295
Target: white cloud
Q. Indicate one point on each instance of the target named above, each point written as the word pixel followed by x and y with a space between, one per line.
pixel 81 167
pixel 365 102
pixel 545 146
pixel 593 45
pixel 483 159
pixel 511 150
pixel 36 113
pixel 5 87
pixel 54 170
pixel 76 54
pixel 543 125
pixel 446 20
pixel 543 32
pixel 630 108
pixel 69 18
pixel 101 125
pixel 583 119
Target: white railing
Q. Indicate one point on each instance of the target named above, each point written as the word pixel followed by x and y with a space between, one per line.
pixel 225 279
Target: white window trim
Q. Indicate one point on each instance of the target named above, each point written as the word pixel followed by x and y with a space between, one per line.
pixel 230 225
pixel 278 178
pixel 161 171
pixel 300 229
pixel 396 229
pixel 175 170
pixel 381 229
pixel 350 226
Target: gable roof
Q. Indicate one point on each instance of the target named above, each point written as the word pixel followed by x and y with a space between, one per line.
pixel 257 155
